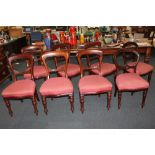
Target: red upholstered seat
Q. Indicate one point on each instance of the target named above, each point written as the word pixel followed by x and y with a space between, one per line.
pixel 142 68
pixel 131 81
pixel 94 84
pixel 72 70
pixel 19 89
pixel 106 68
pixel 38 71
pixel 56 86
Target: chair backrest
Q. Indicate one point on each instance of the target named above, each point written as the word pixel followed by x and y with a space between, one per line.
pixel 36 51
pixel 55 55
pixel 88 53
pixel 27 58
pixel 92 44
pixel 132 45
pixel 38 43
pixel 61 46
pixel 126 59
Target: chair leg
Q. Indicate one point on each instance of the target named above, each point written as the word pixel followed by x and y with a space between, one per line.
pixel 34 105
pixel 144 98
pixel 132 93
pixel 119 99
pixel 149 77
pixel 8 105
pixel 82 103
pixel 109 94
pixel 115 84
pixel 37 96
pixel 71 100
pixel 44 104
pixel 115 91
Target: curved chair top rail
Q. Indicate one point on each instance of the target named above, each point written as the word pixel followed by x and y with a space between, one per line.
pixel 32 49
pixel 24 57
pixel 88 53
pixel 55 54
pixel 130 45
pixel 130 59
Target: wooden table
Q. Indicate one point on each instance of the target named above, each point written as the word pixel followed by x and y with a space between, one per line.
pixel 110 50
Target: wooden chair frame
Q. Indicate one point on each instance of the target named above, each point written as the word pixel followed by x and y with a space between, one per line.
pixel 99 55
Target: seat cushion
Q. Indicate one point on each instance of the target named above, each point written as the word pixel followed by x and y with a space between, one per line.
pixel 38 71
pixel 142 68
pixel 131 82
pixel 19 89
pixel 56 86
pixel 94 84
pixel 106 68
pixel 72 70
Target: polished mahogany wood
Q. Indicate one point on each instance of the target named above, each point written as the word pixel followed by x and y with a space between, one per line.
pixel 133 55
pixel 99 55
pixel 134 45
pixel 50 55
pixel 29 60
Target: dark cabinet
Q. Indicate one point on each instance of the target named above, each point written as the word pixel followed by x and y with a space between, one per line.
pixel 7 49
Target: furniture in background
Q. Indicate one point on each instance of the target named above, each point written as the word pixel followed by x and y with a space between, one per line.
pixel 106 68
pixel 93 84
pixel 72 69
pixel 39 70
pixel 23 88
pixel 129 82
pixel 142 68
pixel 56 86
pixel 4 70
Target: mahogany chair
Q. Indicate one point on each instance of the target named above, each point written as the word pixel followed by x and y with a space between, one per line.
pixel 92 84
pixel 129 82
pixel 39 43
pixel 56 86
pixel 72 69
pixel 39 71
pixel 142 68
pixel 106 68
pixel 20 89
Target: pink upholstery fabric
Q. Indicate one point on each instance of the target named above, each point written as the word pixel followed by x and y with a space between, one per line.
pixel 142 68
pixel 94 84
pixel 38 71
pixel 131 81
pixel 72 70
pixel 56 86
pixel 19 89
pixel 106 68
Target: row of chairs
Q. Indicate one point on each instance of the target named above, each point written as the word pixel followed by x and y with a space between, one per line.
pixel 97 83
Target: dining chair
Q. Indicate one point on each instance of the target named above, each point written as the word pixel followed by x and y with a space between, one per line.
pixel 142 68
pixel 72 69
pixel 106 68
pixel 92 84
pixel 23 88
pixel 56 86
pixel 129 82
pixel 39 70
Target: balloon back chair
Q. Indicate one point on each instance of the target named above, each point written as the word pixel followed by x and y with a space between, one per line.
pixel 23 88
pixel 142 68
pixel 106 68
pixel 129 82
pixel 56 86
pixel 39 70
pixel 92 84
pixel 72 69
